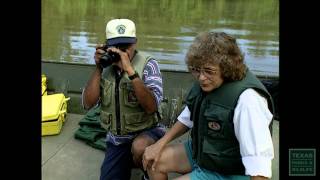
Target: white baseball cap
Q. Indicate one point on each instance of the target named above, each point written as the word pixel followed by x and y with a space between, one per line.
pixel 120 31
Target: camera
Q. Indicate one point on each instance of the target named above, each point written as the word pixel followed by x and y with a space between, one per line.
pixel 108 58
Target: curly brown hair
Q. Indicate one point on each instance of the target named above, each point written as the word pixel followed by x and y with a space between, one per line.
pixel 217 48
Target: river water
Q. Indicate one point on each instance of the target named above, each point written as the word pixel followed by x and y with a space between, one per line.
pixel 165 28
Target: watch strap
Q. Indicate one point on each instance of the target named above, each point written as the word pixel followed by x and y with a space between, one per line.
pixel 135 75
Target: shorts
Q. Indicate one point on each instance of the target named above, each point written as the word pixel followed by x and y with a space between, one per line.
pixel 204 174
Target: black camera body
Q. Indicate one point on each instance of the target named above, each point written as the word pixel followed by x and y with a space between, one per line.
pixel 108 58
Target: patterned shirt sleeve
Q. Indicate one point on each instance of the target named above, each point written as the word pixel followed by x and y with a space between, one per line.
pixel 153 80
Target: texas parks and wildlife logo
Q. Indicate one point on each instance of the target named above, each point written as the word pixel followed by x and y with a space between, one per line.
pixel 121 29
pixel 302 162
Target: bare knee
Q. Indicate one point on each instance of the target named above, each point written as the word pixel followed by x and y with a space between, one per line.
pixel 138 146
pixel 173 159
pixel 165 163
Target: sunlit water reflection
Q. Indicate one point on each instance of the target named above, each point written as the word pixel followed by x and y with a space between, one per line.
pixel 71 30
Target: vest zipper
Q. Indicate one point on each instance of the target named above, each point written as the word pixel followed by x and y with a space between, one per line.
pixel 195 119
pixel 196 140
pixel 118 123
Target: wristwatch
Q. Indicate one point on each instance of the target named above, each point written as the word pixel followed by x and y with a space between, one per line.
pixel 135 75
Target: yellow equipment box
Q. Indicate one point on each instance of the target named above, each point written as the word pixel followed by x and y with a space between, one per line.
pixel 44 84
pixel 54 111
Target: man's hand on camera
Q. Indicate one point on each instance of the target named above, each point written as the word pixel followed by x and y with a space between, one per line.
pixel 99 52
pixel 124 62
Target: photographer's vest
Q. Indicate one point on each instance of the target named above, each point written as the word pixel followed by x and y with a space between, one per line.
pixel 214 144
pixel 121 112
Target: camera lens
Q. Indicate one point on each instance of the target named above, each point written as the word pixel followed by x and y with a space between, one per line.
pixel 108 58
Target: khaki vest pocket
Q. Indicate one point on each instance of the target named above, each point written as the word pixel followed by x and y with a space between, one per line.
pixel 106 92
pixel 129 95
pixel 106 120
pixel 138 121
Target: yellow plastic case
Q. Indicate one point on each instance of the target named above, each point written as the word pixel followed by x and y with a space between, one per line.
pixel 44 85
pixel 54 110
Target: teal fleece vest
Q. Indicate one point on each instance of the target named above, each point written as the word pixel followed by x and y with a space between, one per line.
pixel 214 143
pixel 122 98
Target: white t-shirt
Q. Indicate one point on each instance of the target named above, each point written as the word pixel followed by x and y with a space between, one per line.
pixel 251 125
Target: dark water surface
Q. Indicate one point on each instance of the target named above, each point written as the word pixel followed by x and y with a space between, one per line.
pixel 165 29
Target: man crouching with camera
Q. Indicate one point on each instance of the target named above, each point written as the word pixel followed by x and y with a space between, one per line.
pixel 128 85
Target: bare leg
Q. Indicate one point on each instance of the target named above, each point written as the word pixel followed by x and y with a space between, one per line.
pixel 184 177
pixel 173 159
pixel 138 146
pixel 156 175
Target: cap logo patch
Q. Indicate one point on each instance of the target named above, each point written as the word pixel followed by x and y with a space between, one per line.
pixel 214 126
pixel 121 29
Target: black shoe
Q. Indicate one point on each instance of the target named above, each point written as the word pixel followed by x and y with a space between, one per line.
pixel 144 177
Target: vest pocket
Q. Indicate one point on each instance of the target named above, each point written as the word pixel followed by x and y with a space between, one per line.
pixel 210 157
pixel 210 147
pixel 106 120
pixel 215 128
pixel 129 95
pixel 137 121
pixel 221 156
pixel 224 148
pixel 106 92
pixel 217 121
